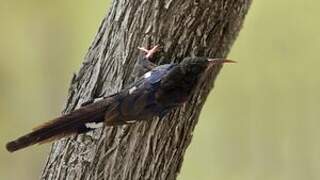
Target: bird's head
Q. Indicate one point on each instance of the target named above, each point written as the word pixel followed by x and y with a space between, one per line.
pixel 178 84
pixel 198 65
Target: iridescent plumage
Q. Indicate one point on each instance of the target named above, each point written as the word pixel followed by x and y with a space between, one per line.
pixel 155 93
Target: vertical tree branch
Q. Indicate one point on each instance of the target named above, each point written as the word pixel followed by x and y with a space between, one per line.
pixel 152 149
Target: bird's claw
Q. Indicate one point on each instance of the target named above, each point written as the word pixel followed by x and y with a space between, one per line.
pixel 149 52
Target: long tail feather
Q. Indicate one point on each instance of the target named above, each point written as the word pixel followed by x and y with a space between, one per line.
pixel 72 123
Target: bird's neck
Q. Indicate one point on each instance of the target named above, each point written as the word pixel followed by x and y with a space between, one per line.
pixel 177 86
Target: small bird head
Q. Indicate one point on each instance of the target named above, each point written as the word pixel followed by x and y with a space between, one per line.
pixel 198 65
pixel 177 86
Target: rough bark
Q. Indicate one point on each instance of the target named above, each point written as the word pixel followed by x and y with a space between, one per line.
pixel 152 149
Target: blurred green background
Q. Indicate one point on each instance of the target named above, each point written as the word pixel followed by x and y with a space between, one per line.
pixel 260 122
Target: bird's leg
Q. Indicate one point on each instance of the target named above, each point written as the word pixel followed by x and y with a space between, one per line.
pixel 149 52
pixel 146 61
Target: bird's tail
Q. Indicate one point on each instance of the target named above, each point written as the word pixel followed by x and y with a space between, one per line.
pixel 79 121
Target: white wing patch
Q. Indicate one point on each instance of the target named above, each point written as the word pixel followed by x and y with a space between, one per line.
pixel 94 125
pixel 131 121
pixel 146 75
pixel 97 99
pixel 131 90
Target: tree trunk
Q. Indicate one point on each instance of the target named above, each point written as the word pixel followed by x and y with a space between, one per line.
pixel 150 149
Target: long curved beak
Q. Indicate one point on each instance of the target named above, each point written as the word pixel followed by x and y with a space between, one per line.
pixel 220 61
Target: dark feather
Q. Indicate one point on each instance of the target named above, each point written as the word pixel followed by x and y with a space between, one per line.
pixel 65 125
pixel 154 94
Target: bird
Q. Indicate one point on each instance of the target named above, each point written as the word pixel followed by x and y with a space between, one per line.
pixel 159 90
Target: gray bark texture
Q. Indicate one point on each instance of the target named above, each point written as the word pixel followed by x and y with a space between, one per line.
pixel 151 149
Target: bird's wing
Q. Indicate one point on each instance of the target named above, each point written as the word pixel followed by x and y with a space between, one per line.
pixel 138 101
